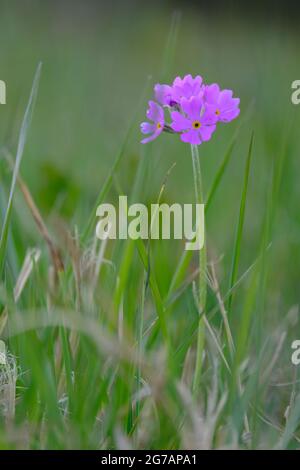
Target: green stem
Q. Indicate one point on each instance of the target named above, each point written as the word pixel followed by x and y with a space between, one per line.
pixel 202 273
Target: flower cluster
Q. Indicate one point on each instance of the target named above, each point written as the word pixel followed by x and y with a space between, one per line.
pixel 194 109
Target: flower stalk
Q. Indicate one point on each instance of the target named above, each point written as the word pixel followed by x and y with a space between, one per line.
pixel 202 287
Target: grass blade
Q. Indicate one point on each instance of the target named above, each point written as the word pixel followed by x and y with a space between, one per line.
pixel 220 173
pixel 239 232
pixel 21 144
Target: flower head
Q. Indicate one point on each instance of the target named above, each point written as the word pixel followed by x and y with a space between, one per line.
pixel 195 109
pixel 196 124
pixel 155 114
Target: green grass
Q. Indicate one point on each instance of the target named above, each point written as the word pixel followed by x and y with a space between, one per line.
pixel 101 337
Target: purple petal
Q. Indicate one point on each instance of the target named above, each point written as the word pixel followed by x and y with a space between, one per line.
pixel 229 115
pixel 163 94
pixel 235 102
pixel 192 107
pixel 196 106
pixel 225 98
pixel 228 106
pixel 197 84
pixel 191 137
pixel 211 93
pixel 206 132
pixel 151 137
pixel 198 79
pixel 155 112
pixel 185 106
pixel 177 93
pixel 211 114
pixel 177 82
pixel 180 123
pixel 187 78
pixel 147 128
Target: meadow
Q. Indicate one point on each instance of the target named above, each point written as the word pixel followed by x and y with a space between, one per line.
pixel 102 337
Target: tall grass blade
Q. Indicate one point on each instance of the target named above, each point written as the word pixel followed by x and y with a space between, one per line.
pixel 219 174
pixel 239 232
pixel 20 150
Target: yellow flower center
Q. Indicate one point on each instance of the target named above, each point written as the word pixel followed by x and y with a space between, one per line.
pixel 196 124
pixel 158 125
pixel 218 112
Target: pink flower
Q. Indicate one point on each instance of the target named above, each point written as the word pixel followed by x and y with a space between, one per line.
pixel 155 114
pixel 196 124
pixel 195 109
pixel 221 103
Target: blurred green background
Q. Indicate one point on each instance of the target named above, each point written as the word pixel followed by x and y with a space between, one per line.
pixel 100 61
